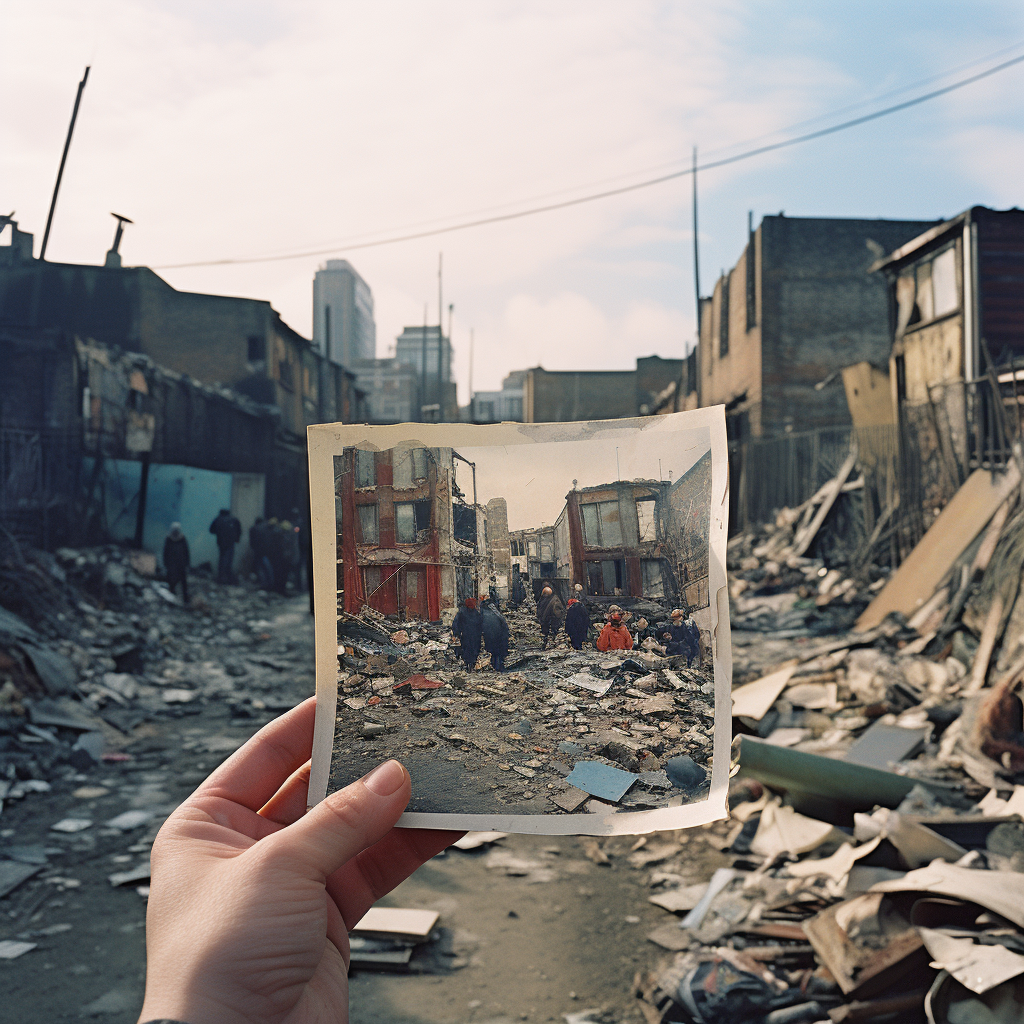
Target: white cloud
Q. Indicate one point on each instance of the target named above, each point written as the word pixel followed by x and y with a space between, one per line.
pixel 237 129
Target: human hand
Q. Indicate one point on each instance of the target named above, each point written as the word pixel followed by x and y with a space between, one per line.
pixel 251 898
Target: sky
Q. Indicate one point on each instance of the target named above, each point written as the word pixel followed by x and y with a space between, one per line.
pixel 535 478
pixel 226 129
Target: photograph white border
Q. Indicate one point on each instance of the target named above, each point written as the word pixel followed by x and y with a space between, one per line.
pixel 329 439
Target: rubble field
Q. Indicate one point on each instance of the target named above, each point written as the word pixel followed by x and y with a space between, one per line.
pixel 516 741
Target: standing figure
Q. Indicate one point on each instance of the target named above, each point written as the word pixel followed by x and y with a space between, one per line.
pixel 495 633
pixel 468 627
pixel 551 617
pixel 177 560
pixel 614 636
pixel 228 531
pixel 693 635
pixel 542 602
pixel 259 542
pixel 577 623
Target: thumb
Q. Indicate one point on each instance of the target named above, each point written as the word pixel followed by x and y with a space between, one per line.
pixel 347 822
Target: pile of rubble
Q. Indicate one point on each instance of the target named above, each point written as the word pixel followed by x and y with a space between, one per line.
pixel 559 731
pixel 874 859
pixel 111 651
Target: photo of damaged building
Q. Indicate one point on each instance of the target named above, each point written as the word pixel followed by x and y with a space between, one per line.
pixel 639 539
pixel 412 543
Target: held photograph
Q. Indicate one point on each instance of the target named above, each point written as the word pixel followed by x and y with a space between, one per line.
pixel 527 617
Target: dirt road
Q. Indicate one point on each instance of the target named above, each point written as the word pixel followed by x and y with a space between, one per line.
pixel 524 925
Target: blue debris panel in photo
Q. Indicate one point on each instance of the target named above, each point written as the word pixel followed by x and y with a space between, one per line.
pixel 601 780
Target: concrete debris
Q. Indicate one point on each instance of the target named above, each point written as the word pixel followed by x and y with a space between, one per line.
pixel 633 729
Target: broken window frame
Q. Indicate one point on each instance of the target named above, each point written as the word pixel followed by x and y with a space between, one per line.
pixel 405 522
pixel 365 468
pixel 647 528
pixel 608 521
pixel 369 524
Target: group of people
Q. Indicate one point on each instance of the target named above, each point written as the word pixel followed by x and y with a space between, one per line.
pixel 482 625
pixel 679 635
pixel 277 550
pixel 280 550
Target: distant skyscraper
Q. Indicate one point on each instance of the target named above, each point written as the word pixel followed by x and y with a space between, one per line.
pixel 409 349
pixel 343 327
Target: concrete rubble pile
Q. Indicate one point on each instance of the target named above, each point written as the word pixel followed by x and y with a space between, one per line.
pixel 873 863
pixel 536 733
pixel 91 690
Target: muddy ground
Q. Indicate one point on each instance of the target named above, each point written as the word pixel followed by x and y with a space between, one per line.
pixel 530 929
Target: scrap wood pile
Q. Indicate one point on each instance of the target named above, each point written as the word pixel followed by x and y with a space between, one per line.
pixel 876 846
pixel 779 581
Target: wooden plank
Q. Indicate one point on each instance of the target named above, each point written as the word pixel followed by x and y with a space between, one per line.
pixel 754 700
pixel 944 542
pixel 397 921
pixel 803 540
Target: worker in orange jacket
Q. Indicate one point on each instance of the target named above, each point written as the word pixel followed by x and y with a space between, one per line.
pixel 614 636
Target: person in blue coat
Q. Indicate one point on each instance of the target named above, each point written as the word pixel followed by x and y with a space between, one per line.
pixel 495 633
pixel 468 627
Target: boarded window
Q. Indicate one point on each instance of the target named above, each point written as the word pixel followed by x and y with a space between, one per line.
pixel 591 531
pixel 412 586
pixel 419 463
pixel 533 548
pixel 366 469
pixel 646 521
pixel 405 523
pixel 944 282
pixel 925 299
pixel 368 523
pixel 547 547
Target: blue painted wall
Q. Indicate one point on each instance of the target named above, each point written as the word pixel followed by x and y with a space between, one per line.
pixel 181 494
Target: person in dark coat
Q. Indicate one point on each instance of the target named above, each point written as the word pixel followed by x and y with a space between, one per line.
pixel 551 618
pixel 518 590
pixel 468 627
pixel 228 531
pixel 177 560
pixel 542 602
pixel 495 633
pixel 678 638
pixel 693 635
pixel 577 623
pixel 259 541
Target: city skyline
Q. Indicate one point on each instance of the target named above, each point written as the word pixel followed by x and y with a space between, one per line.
pixel 180 96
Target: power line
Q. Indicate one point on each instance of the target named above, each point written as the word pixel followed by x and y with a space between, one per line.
pixel 621 190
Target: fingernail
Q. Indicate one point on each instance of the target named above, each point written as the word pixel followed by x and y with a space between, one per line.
pixel 385 779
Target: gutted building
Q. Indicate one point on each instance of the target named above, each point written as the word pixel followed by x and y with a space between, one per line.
pixel 615 540
pixel 396 531
pixel 240 343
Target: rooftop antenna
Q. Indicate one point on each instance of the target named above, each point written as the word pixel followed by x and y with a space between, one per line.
pixel 113 255
pixel 63 161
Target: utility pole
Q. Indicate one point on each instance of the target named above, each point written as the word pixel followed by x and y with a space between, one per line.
pixel 423 365
pixel 63 161
pixel 696 274
pixel 451 347
pixel 472 404
pixel 440 339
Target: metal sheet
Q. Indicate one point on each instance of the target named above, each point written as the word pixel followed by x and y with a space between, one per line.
pixel 601 780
